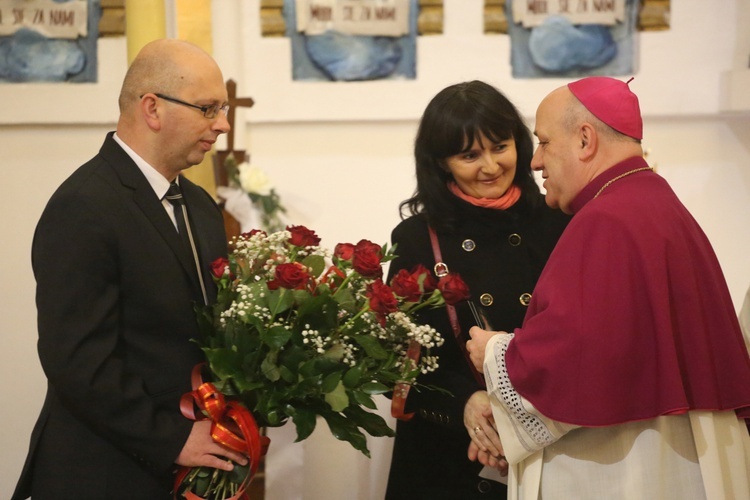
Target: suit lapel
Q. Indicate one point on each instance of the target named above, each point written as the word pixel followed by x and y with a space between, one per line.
pixel 200 210
pixel 144 197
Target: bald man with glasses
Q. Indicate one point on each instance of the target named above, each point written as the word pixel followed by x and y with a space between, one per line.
pixel 116 289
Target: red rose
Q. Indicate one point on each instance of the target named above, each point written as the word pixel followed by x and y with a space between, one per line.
pixel 428 282
pixel 366 259
pixel 367 246
pixel 302 237
pixel 405 285
pixel 220 266
pixel 344 251
pixel 291 276
pixel 382 299
pixel 453 288
pixel 252 233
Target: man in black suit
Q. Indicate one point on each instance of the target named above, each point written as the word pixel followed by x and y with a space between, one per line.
pixel 116 289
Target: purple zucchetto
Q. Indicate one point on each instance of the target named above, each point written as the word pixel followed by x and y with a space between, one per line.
pixel 611 101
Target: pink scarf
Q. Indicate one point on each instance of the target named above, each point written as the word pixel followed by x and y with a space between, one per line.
pixel 507 200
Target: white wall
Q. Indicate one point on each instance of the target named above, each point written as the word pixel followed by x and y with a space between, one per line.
pixel 342 166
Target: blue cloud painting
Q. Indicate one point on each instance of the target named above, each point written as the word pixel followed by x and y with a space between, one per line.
pixel 334 56
pixel 27 56
pixel 557 48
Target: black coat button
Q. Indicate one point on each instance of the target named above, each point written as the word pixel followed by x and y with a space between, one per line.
pixel 484 486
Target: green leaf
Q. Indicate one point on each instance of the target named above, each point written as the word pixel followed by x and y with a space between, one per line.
pixel 276 337
pixel 346 300
pixel 337 398
pixel 319 311
pixel 273 418
pixel 331 382
pixel 244 384
pixel 352 376
pixel 269 368
pixel 292 357
pixel 204 316
pixel 308 369
pixel 225 363
pixel 375 388
pixel 310 384
pixel 304 420
pixel 279 300
pixel 345 430
pixel 371 345
pixel 287 375
pixel 315 262
pixel 225 387
pixel 268 409
pixel 250 322
pixel 364 399
pixel 372 423
pixel 323 365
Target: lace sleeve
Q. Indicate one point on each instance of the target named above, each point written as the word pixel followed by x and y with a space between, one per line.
pixel 522 429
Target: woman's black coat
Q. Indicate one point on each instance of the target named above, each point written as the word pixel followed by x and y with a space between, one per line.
pixel 510 248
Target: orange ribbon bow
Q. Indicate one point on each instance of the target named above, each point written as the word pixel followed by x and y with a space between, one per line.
pixel 222 413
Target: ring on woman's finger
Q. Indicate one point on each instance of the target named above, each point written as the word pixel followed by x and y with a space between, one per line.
pixel 477 429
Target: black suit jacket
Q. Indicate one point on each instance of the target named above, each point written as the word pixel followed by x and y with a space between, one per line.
pixel 115 296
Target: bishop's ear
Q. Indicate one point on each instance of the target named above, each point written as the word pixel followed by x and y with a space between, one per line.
pixel 588 140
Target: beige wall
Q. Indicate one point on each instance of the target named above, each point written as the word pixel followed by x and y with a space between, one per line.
pixel 344 172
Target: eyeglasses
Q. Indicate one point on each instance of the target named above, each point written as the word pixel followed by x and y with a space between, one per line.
pixel 208 111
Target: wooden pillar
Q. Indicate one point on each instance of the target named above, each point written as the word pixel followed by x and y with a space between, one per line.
pixel 193 19
pixel 193 24
pixel 145 21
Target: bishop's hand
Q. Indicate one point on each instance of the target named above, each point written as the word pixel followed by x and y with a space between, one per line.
pixel 477 345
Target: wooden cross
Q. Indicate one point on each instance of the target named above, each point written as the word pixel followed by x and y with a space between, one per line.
pixel 231 226
pixel 220 173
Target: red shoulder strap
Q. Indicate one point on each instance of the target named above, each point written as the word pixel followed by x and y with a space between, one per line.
pixel 441 269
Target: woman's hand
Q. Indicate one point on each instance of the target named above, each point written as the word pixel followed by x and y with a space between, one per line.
pixel 480 424
pixel 484 458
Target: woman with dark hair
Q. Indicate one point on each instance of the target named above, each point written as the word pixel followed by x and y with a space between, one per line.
pixel 478 210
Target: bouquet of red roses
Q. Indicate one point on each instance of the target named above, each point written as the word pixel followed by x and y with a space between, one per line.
pixel 299 332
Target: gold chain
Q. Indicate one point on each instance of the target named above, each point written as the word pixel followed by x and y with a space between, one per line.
pixel 605 186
